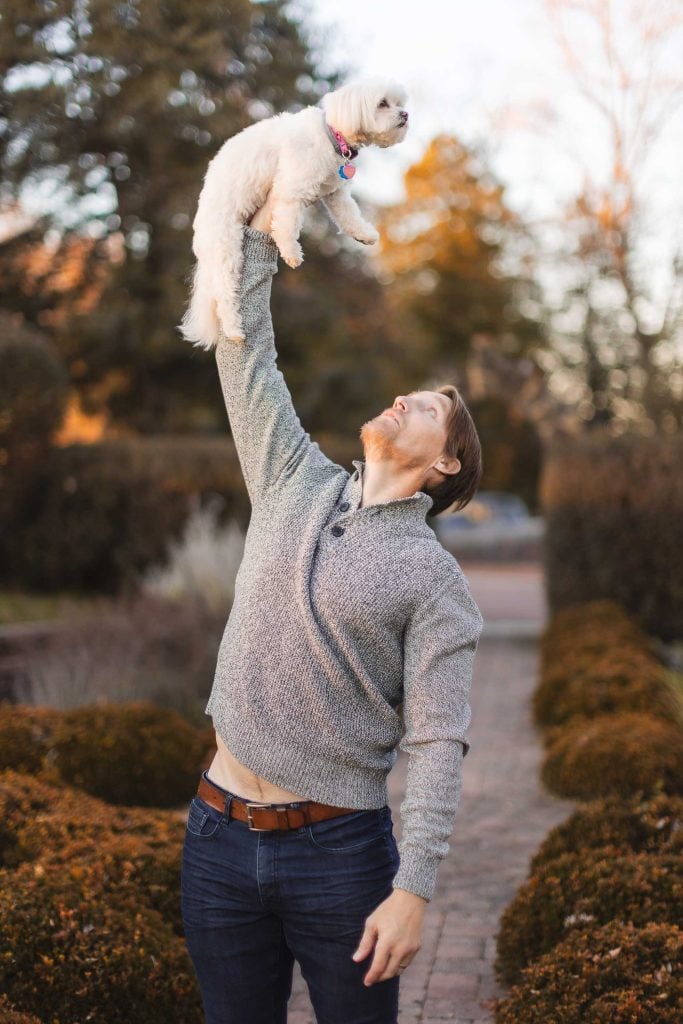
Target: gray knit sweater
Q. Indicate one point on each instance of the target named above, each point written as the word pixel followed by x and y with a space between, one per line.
pixel 352 631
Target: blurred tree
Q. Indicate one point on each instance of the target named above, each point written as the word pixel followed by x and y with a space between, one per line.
pixel 343 356
pixel 618 319
pixel 109 115
pixel 453 255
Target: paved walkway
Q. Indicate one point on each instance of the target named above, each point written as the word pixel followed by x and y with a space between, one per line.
pixel 502 818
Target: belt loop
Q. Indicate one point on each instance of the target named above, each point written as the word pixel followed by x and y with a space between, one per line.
pixel 228 804
pixel 280 811
pixel 228 796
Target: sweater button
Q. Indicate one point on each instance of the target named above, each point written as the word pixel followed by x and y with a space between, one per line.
pixel 337 530
pixel 344 507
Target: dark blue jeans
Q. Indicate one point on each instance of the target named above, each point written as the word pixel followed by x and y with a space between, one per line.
pixel 253 902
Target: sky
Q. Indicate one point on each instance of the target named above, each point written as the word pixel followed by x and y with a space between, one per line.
pixel 460 63
pixel 491 72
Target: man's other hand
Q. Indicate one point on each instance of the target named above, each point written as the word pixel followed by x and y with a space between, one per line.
pixel 394 929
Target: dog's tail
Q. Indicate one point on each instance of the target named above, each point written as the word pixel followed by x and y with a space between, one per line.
pixel 200 323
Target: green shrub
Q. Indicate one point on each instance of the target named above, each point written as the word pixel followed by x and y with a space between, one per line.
pixel 615 753
pixel 621 679
pixel 134 753
pixel 34 388
pixel 25 736
pixel 612 508
pixel 10 1015
pixel 89 522
pixel 617 973
pixel 74 954
pixel 583 891
pixel 620 824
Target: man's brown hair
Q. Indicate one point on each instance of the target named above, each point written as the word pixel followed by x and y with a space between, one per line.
pixel 462 442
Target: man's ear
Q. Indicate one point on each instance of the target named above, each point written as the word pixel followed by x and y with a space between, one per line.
pixel 446 464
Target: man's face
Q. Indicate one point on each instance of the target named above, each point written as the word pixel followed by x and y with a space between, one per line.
pixel 411 433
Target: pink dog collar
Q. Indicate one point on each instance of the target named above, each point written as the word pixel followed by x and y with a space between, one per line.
pixel 344 149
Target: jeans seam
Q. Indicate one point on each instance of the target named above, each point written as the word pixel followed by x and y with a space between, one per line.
pixel 258 877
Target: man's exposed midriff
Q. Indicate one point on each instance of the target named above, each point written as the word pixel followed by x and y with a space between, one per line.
pixel 231 774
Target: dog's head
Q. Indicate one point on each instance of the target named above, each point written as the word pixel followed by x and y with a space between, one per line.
pixel 368 112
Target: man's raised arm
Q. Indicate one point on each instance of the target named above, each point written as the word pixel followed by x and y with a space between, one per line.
pixel 268 435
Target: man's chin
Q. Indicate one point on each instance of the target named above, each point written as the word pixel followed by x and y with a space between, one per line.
pixel 376 437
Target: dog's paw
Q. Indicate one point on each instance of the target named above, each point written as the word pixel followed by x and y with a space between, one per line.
pixel 368 237
pixel 293 259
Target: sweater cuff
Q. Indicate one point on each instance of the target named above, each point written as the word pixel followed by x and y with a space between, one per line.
pixel 259 246
pixel 417 874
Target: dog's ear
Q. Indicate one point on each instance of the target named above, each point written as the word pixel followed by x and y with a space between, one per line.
pixel 351 108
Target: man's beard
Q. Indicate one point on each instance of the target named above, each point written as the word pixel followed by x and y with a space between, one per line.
pixel 379 445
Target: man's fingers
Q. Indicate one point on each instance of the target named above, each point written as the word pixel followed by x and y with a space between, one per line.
pixel 378 965
pixel 392 967
pixel 366 943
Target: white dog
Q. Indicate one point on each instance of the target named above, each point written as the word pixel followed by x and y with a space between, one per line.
pixel 291 160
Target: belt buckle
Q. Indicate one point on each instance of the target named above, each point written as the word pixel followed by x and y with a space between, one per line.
pixel 252 826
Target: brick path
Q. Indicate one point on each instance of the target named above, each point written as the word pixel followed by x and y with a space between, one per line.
pixel 502 818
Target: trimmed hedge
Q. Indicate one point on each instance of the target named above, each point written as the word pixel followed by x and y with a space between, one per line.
pixel 136 753
pixel 612 508
pixel 590 628
pixel 10 1015
pixel 26 734
pixel 89 521
pixel 617 973
pixel 80 953
pixel 619 825
pixel 615 753
pixel 611 681
pixel 583 891
pixel 121 849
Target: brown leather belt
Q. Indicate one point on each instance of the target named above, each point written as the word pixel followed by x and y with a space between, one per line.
pixel 266 817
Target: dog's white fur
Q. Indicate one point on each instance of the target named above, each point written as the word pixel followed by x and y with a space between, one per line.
pixel 292 155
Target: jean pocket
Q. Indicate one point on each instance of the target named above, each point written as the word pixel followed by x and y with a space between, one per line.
pixel 347 833
pixel 203 820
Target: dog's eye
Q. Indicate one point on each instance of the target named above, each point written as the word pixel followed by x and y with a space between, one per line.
pixel 382 103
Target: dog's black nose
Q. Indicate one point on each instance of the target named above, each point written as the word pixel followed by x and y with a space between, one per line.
pixel 403 114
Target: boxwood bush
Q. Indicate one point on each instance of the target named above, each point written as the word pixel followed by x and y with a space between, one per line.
pixel 612 508
pixel 10 1015
pixel 76 952
pixel 621 679
pixel 26 735
pixel 584 890
pixel 133 753
pixel 591 628
pixel 120 848
pixel 614 753
pixel 136 752
pixel 619 825
pixel 617 973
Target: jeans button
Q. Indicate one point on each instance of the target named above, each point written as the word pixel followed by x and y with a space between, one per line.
pixel 337 530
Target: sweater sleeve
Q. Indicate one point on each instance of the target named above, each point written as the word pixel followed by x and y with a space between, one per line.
pixel 439 647
pixel 266 430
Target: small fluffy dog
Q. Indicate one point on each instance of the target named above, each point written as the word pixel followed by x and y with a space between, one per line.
pixel 297 158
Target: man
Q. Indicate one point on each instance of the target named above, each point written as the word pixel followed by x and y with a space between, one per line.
pixel 347 611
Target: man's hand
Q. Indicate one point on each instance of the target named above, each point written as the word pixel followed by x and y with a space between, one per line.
pixel 394 928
